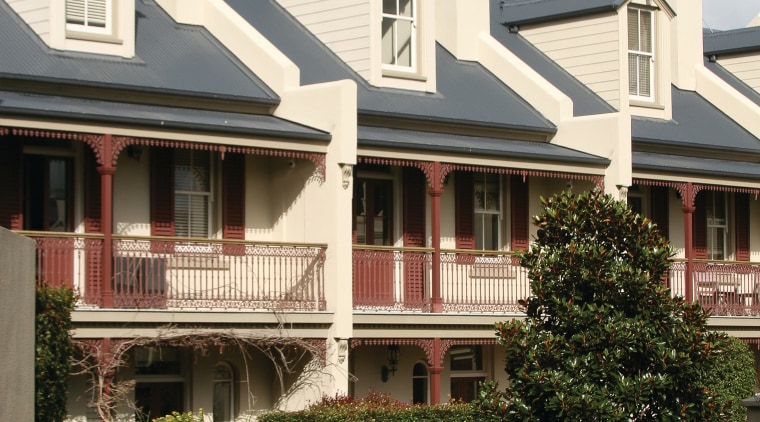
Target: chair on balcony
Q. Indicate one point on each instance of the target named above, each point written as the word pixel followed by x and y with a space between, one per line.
pixel 717 290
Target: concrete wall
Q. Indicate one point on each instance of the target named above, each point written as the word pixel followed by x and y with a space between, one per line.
pixel 17 326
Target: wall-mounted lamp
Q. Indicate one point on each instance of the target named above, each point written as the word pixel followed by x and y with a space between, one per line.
pixel 134 152
pixel 393 351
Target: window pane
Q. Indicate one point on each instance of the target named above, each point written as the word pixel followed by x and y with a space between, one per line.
pixel 633 74
pixel 644 75
pixel 405 8
pixel 58 212
pixel 633 29
pixel 645 25
pixel 389 7
pixel 387 50
pixel 404 43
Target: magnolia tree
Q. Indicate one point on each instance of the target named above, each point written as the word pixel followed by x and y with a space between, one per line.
pixel 603 339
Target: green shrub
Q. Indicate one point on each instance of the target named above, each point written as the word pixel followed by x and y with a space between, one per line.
pixel 375 407
pixel 731 376
pixel 53 352
pixel 603 339
pixel 181 417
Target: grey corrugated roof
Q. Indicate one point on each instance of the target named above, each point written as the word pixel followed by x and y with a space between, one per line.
pixel 519 12
pixel 678 164
pixel 466 94
pixel 181 59
pixel 730 42
pixel 696 124
pixel 585 101
pixel 732 80
pixel 14 103
pixel 472 145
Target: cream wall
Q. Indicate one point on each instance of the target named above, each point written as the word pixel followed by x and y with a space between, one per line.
pixel 745 67
pixel 343 25
pixel 131 195
pixel 588 48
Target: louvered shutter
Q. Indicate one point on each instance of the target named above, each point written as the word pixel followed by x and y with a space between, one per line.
pixel 465 211
pixel 741 203
pixel 92 217
pixel 414 236
pixel 699 226
pixel 92 224
pixel 87 13
pixel 161 192
pixel 11 216
pixel 233 201
pixel 520 213
pixel 660 200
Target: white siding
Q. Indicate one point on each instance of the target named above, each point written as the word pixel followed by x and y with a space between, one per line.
pixel 587 48
pixel 36 14
pixel 343 25
pixel 745 67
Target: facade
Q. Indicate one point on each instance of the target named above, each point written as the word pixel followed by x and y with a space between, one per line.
pixel 260 203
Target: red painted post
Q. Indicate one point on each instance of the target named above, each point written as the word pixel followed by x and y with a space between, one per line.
pixel 435 192
pixel 106 170
pixel 688 214
pixel 435 372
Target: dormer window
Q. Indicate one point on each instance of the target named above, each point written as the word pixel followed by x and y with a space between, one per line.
pixel 89 16
pixel 399 50
pixel 640 54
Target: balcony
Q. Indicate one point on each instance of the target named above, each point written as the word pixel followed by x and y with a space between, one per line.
pixel 181 273
pixel 400 279
pixel 388 278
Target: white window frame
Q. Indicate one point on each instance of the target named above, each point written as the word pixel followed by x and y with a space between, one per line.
pixel 483 179
pixel 207 194
pixel 412 41
pixel 716 226
pixel 86 7
pixel 639 54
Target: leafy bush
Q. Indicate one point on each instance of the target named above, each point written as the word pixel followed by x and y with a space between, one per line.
pixel 602 338
pixel 181 417
pixel 732 377
pixel 53 351
pixel 375 407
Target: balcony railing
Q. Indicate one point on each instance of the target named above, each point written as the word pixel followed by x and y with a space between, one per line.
pixel 186 273
pixel 389 278
pixel 723 287
pixel 392 278
pixel 72 260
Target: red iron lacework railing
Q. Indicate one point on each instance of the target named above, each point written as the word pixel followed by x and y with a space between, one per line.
pixel 400 279
pixel 186 273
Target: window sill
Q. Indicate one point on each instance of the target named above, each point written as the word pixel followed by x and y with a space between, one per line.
pixel 89 36
pixel 646 104
pixel 400 74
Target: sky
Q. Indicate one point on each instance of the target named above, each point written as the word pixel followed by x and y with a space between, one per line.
pixel 729 14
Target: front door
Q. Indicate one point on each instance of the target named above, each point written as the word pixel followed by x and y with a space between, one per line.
pixel 373 223
pixel 157 399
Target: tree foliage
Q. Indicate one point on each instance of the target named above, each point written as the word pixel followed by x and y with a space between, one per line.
pixel 732 377
pixel 603 339
pixel 53 351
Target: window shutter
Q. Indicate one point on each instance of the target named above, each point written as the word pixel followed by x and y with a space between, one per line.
pixel 660 199
pixel 741 205
pixel 699 226
pixel 233 202
pixel 162 192
pixel 92 217
pixel 11 215
pixel 414 236
pixel 465 210
pixel 414 208
pixel 520 213
pixel 233 190
pixel 87 12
